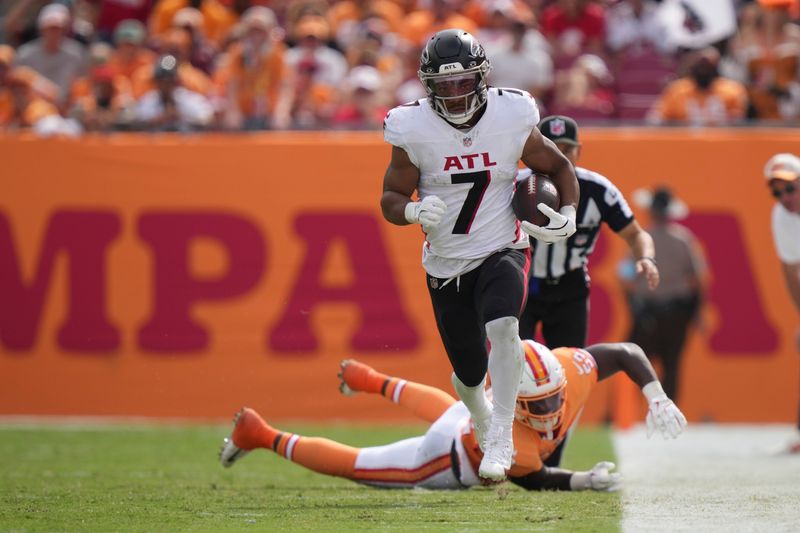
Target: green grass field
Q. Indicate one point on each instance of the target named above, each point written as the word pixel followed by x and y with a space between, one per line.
pixel 158 478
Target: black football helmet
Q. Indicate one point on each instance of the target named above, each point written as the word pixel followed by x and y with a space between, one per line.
pixel 453 69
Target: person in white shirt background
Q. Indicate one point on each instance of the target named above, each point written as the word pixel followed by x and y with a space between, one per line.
pixel 782 174
pixel 171 107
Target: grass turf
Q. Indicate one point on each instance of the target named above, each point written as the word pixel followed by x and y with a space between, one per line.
pixel 157 478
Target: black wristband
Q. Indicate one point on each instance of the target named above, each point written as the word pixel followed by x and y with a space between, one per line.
pixel 648 258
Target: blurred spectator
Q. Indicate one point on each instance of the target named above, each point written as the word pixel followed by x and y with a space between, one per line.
pixel 171 107
pixel 99 55
pixel 249 76
pixel 130 54
pixel 703 98
pixel 585 90
pixel 633 24
pixel 6 60
pixel 297 10
pixel 329 65
pixel 662 317
pixel 41 86
pixel 175 42
pixel 305 103
pixel 419 25
pixel 361 107
pixel 201 52
pixel 365 43
pixel 217 19
pixel 766 52
pixel 22 108
pixel 520 58
pixel 493 16
pixel 344 16
pixel 410 89
pixel 19 20
pixel 574 27
pixel 108 14
pixel 314 73
pixel 371 44
pixel 54 55
pixel 782 176
pixel 108 104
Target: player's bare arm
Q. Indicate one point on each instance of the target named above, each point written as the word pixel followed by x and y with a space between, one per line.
pixel 542 155
pixel 399 183
pixel 644 252
pixel 624 356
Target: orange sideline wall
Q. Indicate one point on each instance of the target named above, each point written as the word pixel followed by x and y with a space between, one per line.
pixel 186 276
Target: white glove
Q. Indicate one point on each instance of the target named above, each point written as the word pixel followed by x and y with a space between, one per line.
pixel 561 226
pixel 663 414
pixel 598 478
pixel 428 212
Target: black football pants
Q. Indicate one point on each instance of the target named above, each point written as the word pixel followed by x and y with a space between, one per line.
pixel 463 305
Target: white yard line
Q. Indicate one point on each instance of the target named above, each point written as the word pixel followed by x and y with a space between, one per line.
pixel 713 478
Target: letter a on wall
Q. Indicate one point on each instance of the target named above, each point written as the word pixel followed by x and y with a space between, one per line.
pixel 373 289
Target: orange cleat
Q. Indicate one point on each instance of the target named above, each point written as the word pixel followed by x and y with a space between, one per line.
pixel 250 431
pixel 358 377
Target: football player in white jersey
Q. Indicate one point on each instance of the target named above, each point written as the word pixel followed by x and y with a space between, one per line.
pixel 459 149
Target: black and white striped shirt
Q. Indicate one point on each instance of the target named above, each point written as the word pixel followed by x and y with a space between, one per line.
pixel 600 201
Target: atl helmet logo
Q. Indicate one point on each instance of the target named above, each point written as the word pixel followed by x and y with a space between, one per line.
pixel 558 127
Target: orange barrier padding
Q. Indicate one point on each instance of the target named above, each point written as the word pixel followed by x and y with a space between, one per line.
pixel 175 276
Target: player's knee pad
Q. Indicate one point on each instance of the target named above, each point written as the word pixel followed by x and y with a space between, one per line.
pixel 503 334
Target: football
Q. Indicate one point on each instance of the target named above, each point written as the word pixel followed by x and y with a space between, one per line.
pixel 530 192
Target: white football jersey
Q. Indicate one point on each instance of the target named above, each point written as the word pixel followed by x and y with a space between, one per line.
pixel 470 171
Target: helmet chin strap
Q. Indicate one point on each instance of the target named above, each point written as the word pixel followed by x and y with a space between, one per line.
pixel 460 120
pixel 441 110
pixel 547 428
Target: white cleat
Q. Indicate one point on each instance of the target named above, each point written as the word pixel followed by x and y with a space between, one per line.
pixel 498 455
pixel 230 453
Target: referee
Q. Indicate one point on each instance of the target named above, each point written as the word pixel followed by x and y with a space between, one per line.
pixel 558 287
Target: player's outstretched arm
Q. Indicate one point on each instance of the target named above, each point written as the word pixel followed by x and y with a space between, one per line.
pixel 663 415
pixel 599 478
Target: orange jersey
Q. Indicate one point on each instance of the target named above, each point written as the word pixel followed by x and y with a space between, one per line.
pixel 420 25
pixel 387 10
pixel 217 19
pixel 726 100
pixel 530 448
pixel 255 88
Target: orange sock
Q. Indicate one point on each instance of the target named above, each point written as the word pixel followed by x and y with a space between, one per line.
pixel 427 403
pixel 424 401
pixel 320 455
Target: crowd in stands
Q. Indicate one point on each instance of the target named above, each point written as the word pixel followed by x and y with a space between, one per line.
pixel 74 66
